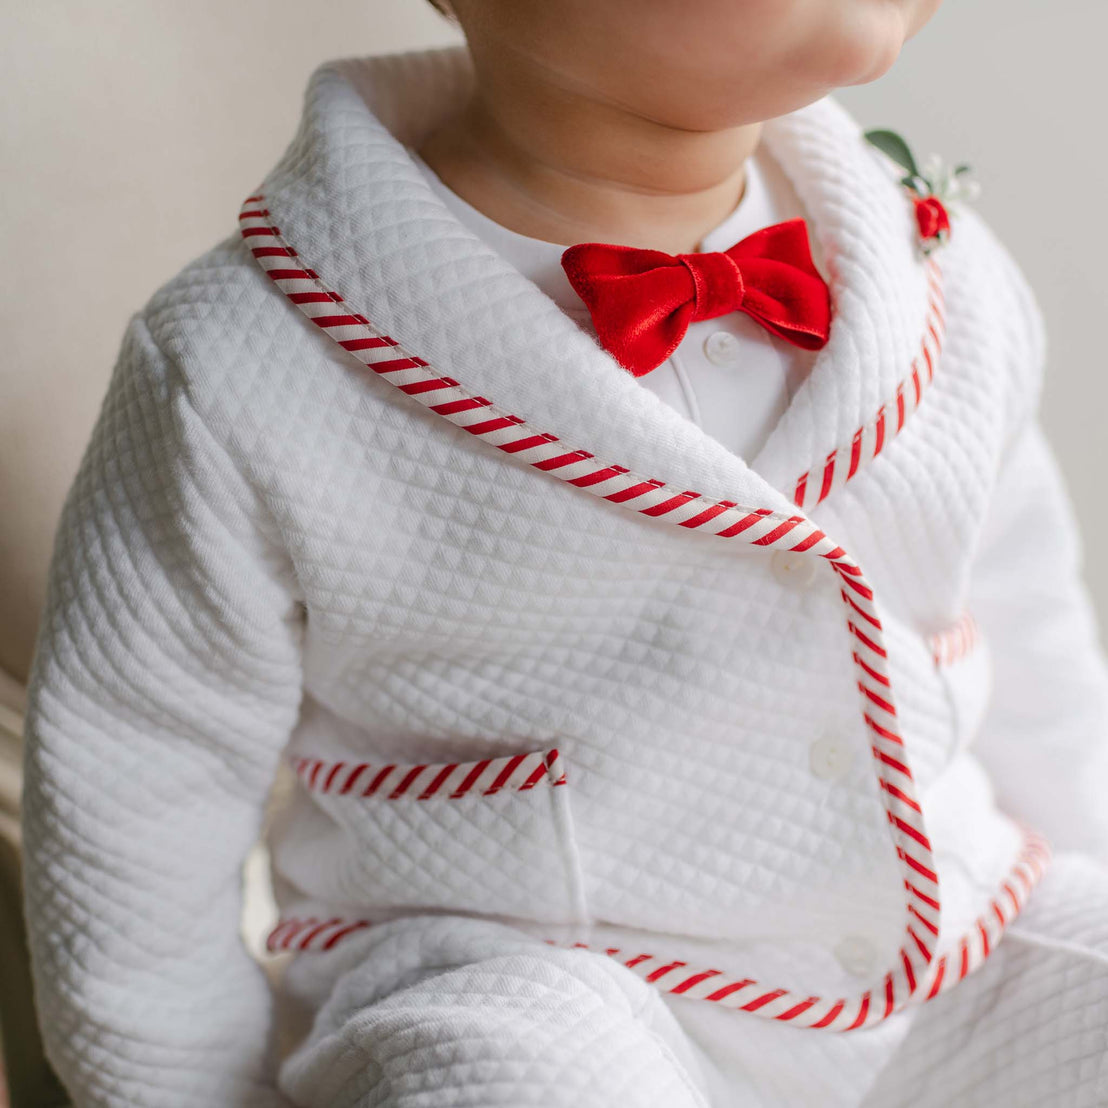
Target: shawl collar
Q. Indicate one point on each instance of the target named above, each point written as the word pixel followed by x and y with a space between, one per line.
pixel 357 209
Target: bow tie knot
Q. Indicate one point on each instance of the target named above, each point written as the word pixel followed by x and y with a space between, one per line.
pixel 642 301
pixel 718 285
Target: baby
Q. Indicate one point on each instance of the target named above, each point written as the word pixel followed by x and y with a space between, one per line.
pixel 610 488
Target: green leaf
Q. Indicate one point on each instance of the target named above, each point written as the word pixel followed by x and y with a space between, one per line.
pixel 891 144
pixel 921 186
pixel 961 169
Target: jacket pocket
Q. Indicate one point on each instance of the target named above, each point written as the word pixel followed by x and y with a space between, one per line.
pixel 492 836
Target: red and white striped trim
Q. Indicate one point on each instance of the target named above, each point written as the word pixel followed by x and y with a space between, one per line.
pixel 844 462
pixel 312 933
pixel 956 642
pixel 649 496
pixel 747 995
pixel 976 945
pixel 446 781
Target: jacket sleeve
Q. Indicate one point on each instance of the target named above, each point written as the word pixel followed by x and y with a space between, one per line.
pixel 1045 736
pixel 165 682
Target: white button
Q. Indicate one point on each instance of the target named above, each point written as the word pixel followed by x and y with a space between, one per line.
pixel 796 570
pixel 722 348
pixel 830 757
pixel 856 955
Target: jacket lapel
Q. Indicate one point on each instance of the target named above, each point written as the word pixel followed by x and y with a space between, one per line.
pixel 881 299
pixel 357 209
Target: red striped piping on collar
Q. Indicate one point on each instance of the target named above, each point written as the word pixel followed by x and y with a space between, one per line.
pixel 843 463
pixel 725 519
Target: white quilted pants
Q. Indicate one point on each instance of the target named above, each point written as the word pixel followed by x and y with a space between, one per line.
pixel 1030 1028
pixel 452 1012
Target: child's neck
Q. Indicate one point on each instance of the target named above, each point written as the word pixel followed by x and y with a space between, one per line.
pixel 563 165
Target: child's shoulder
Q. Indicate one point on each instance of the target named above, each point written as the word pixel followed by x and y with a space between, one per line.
pixel 988 298
pixel 994 324
pixel 993 313
pixel 218 336
pixel 213 312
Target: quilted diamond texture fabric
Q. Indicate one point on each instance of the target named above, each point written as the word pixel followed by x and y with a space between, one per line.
pixel 512 848
pixel 158 686
pixel 1031 1029
pixel 270 553
pixel 497 1022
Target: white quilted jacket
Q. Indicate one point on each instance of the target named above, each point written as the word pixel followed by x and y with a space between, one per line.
pixel 362 498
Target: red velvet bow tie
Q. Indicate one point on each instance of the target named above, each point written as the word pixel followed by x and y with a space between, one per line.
pixel 642 301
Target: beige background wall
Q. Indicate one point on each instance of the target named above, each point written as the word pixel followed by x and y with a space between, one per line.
pixel 131 129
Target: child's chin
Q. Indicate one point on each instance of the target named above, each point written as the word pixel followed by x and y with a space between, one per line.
pixel 864 55
pixel 736 106
pixel 856 57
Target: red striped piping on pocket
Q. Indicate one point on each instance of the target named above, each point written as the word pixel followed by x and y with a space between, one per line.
pixel 762 527
pixel 445 781
pixel 845 462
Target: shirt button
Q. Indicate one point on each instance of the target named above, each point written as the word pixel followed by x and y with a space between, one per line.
pixel 722 348
pixel 795 570
pixel 856 955
pixel 829 758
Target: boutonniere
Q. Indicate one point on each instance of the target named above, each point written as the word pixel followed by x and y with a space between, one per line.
pixel 933 189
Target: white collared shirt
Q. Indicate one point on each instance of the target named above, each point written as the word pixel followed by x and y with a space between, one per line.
pixel 729 375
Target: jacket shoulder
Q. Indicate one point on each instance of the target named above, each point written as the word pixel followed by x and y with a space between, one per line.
pixel 990 308
pixel 201 317
pixel 990 301
pixel 984 285
pixel 227 340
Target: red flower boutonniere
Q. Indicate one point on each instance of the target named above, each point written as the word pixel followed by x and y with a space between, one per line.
pixel 933 189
